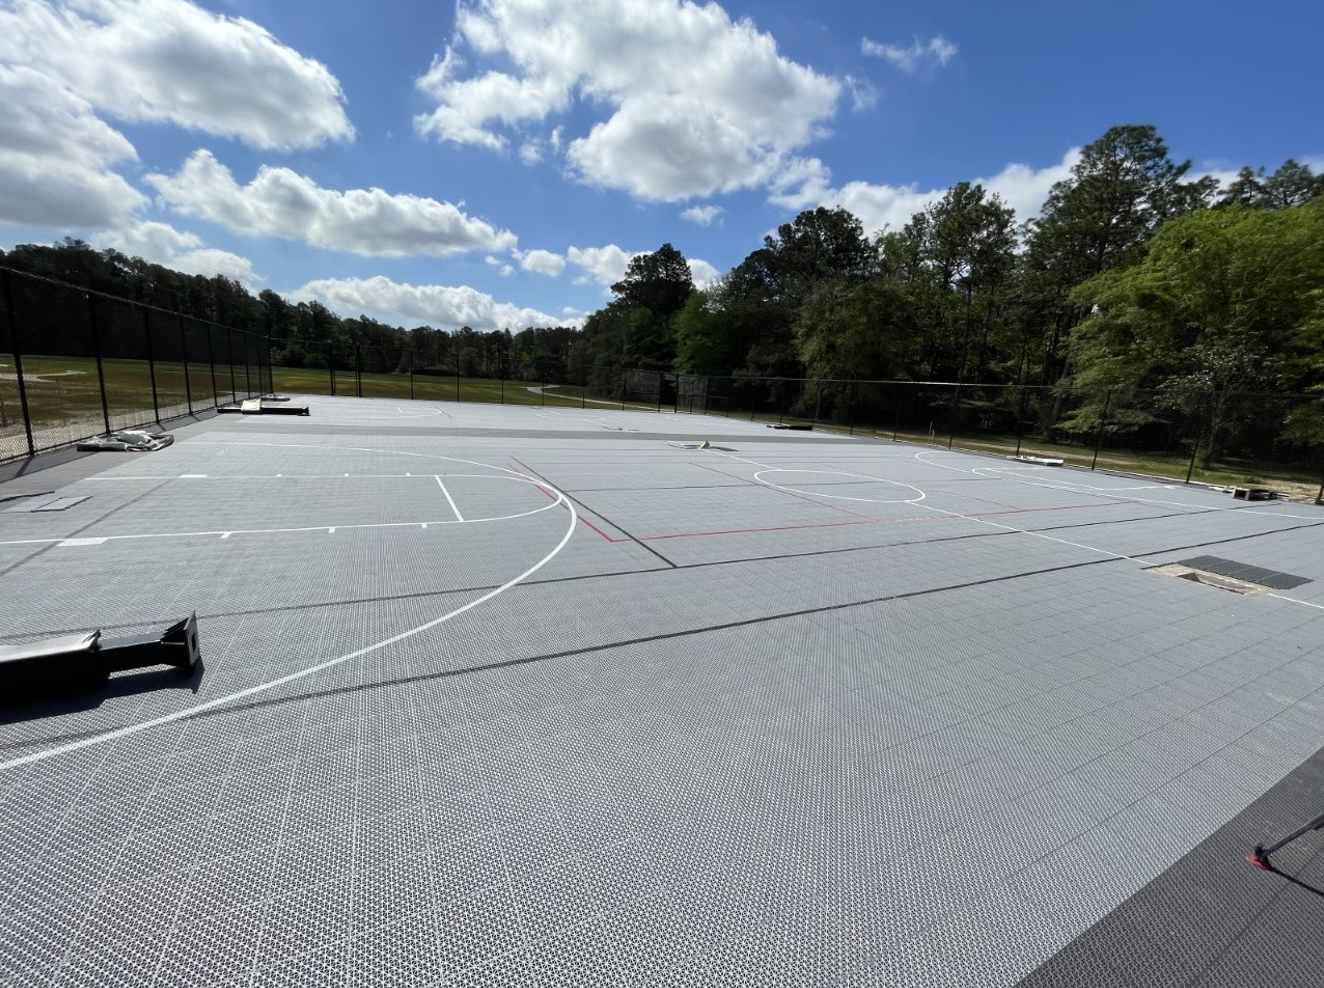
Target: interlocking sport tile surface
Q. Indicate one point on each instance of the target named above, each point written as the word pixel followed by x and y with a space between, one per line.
pixel 811 711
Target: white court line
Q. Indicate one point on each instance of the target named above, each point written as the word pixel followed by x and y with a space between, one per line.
pixel 1090 489
pixel 147 725
pixel 1318 607
pixel 840 497
pixel 322 528
pixel 449 500
pixel 984 472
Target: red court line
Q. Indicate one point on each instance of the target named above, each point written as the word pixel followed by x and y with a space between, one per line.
pixel 577 514
pixel 864 519
pixel 877 521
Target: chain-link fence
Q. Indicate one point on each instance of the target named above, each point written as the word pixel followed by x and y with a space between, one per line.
pixel 76 363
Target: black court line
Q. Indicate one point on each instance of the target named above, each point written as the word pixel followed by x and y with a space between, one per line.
pixel 645 639
pixel 96 521
pixel 613 574
pixel 510 663
pixel 586 650
pixel 594 511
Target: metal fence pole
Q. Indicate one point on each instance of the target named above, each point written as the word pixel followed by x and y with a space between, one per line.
pixel 331 364
pixel 659 391
pixel 151 362
pixel 818 402
pixel 956 415
pixel 1103 424
pixel 501 374
pixel 358 371
pixel 457 375
pixel 542 387
pixel 411 375
pixel 248 380
pixel 183 350
pixel 96 350
pixel 1020 419
pixel 896 414
pixel 852 389
pixel 1190 467
pixel 229 345
pixel 12 321
pixel 211 359
pixel 624 385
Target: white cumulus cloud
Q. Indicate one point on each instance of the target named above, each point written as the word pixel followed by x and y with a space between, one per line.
pixel 936 51
pixel 163 244
pixel 703 273
pixel 702 215
pixel 279 202
pixel 807 184
pixel 698 103
pixel 601 265
pixel 541 262
pixel 56 157
pixel 175 62
pixel 437 305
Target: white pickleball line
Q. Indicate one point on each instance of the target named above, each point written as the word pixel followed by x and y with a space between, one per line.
pixel 758 475
pixel 449 500
pixel 148 725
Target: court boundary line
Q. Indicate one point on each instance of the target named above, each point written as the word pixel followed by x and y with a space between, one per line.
pixel 222 701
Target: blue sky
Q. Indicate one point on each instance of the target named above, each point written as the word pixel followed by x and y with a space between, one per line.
pixel 523 149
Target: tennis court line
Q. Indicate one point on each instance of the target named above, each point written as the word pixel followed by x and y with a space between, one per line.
pixel 450 500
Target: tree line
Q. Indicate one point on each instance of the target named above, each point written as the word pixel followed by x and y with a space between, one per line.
pixel 1134 275
pixel 305 333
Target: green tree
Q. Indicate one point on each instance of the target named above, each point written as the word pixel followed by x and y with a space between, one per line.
pixel 1223 301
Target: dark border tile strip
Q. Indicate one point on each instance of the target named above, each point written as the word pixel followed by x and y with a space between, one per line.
pixel 1211 919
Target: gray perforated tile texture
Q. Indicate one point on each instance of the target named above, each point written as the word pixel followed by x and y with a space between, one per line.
pixel 896 720
pixel 1211 920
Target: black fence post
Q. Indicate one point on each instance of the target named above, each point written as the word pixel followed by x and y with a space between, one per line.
pixel 96 350
pixel 1103 424
pixel 896 414
pixel 331 364
pixel 818 402
pixel 229 346
pixel 358 371
pixel 659 391
pixel 501 374
pixel 248 379
pixel 625 376
pixel 956 415
pixel 411 375
pixel 457 375
pixel 211 359
pixel 151 362
pixel 183 350
pixel 18 361
pixel 1020 419
pixel 852 389
pixel 1195 450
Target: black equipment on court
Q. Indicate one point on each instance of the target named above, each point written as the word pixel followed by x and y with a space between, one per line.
pixel 84 661
pixel 1260 856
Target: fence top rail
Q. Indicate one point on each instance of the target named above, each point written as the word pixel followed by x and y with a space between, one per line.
pixel 119 298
